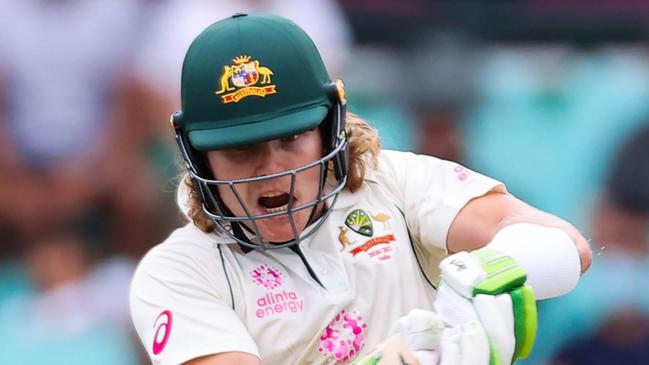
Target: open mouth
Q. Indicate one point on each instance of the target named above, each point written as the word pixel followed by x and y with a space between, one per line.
pixel 274 202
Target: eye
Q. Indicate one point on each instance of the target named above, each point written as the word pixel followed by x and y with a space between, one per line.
pixel 237 153
pixel 290 138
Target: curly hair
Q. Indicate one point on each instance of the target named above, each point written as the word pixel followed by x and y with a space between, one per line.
pixel 364 147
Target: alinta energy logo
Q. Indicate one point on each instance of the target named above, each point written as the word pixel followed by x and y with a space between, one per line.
pixel 276 301
pixel 267 276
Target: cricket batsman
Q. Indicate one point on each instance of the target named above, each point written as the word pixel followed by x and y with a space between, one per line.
pixel 306 243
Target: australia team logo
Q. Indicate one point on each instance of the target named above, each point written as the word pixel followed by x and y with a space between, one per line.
pixel 361 222
pixel 245 77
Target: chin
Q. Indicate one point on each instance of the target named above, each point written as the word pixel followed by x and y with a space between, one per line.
pixel 279 229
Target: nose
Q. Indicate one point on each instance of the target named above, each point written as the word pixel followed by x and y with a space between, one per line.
pixel 270 159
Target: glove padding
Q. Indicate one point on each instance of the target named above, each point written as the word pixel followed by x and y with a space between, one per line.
pixel 484 290
pixel 466 344
pixel 423 331
pixel 433 343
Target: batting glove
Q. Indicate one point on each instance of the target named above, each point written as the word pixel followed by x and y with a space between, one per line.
pixel 423 331
pixel 425 339
pixel 483 293
pixel 435 344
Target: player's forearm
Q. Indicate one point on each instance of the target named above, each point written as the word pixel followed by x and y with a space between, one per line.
pixel 482 218
pixel 550 250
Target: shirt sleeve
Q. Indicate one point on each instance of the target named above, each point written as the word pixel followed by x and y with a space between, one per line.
pixel 432 192
pixel 182 309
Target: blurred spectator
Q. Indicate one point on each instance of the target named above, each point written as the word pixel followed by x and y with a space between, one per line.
pixel 72 314
pixel 627 197
pixel 446 65
pixel 440 132
pixel 608 313
pixel 415 96
pixel 389 22
pixel 623 338
pixel 373 85
pixel 70 150
pixel 550 118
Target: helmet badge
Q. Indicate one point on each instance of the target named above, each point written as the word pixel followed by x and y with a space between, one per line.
pixel 239 80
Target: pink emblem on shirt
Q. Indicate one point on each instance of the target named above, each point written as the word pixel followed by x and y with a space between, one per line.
pixel 267 276
pixel 462 172
pixel 343 337
pixel 166 320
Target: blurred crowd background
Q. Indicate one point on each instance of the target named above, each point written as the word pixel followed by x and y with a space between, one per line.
pixel 549 96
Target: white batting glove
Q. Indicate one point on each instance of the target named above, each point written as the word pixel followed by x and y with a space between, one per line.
pixel 422 330
pixel 423 339
pixel 484 291
pixel 466 344
pixel 434 344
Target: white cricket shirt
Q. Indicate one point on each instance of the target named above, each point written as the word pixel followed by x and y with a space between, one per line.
pixel 198 294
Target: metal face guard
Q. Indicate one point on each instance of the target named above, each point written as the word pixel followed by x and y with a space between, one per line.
pixel 225 219
pixel 233 226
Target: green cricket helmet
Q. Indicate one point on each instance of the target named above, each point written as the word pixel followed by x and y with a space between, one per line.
pixel 249 79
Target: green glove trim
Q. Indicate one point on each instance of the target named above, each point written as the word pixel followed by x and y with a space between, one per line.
pixel 371 360
pixel 494 356
pixel 525 320
pixel 503 273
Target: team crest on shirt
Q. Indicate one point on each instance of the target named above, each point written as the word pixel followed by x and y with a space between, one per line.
pixel 245 77
pixel 360 222
pixel 362 225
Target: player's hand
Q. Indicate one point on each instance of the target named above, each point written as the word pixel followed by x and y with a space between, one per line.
pixel 417 342
pixel 423 331
pixel 424 339
pixel 484 290
pixel 434 344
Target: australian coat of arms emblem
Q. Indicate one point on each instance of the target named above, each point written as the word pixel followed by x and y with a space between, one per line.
pixel 240 80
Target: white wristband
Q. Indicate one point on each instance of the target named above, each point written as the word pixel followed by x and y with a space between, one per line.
pixel 548 256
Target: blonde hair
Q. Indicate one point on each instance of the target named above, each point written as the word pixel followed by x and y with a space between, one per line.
pixel 364 147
